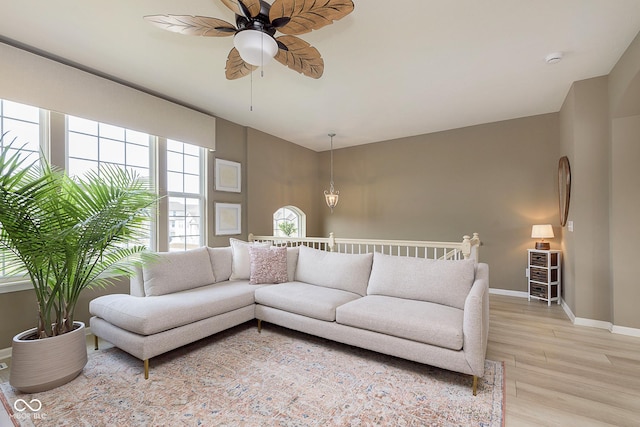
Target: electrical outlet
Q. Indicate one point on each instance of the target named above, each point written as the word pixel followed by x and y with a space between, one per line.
pixel 526 272
pixel 3 366
pixel 570 225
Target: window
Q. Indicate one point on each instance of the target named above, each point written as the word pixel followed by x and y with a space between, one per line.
pixel 91 144
pixel 289 221
pixel 20 128
pixel 185 190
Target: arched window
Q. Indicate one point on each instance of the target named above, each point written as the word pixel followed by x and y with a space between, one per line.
pixel 289 221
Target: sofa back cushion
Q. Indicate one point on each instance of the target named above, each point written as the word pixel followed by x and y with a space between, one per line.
pixel 221 259
pixel 292 262
pixel 442 282
pixel 178 271
pixel 348 272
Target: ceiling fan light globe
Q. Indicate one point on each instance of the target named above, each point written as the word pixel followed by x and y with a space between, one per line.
pixel 255 47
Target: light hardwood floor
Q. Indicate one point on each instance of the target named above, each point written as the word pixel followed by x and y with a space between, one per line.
pixel 557 374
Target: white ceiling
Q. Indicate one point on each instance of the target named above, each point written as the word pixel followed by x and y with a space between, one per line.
pixel 392 68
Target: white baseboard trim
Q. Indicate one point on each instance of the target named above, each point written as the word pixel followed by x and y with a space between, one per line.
pixel 568 311
pixel 623 330
pixel 600 324
pixel 5 353
pixel 519 294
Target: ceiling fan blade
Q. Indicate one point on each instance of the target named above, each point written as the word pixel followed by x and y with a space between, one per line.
pixel 242 7
pixel 236 67
pixel 193 25
pixel 307 15
pixel 300 56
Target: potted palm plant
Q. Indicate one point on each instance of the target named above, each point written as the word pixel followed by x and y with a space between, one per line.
pixel 65 235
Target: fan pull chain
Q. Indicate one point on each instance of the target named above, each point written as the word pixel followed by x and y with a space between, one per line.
pixel 262 55
pixel 251 102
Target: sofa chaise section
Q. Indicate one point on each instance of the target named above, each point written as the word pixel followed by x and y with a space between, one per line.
pixel 179 301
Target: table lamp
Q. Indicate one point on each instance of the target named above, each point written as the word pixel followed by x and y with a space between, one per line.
pixel 544 231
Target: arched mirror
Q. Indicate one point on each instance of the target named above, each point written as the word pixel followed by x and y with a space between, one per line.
pixel 564 188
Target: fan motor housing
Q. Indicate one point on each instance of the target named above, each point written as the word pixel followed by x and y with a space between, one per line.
pixel 260 22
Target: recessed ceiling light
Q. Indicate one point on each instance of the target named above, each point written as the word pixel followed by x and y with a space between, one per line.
pixel 553 58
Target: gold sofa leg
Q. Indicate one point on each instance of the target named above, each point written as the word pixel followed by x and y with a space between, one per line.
pixel 146 369
pixel 95 341
pixel 475 385
pixel 259 326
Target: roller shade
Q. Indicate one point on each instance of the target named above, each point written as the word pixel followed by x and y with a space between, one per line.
pixel 32 79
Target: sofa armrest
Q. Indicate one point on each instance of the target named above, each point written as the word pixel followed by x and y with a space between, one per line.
pixel 475 326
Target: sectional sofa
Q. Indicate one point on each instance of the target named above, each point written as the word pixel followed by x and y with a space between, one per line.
pixel 434 312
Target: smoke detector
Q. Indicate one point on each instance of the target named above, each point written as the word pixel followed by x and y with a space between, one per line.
pixel 553 58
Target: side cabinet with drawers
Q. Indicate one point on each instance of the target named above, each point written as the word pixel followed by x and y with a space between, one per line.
pixel 544 275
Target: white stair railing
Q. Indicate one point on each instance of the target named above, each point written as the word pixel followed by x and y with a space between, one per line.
pixel 468 248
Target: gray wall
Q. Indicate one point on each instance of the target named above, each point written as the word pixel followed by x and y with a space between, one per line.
pixel 282 174
pixel 496 179
pixel 600 133
pixel 624 84
pixel 585 141
pixel 233 147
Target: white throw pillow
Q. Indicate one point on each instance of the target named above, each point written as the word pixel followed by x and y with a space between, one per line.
pixel 177 271
pixel 241 263
pixel 442 282
pixel 348 272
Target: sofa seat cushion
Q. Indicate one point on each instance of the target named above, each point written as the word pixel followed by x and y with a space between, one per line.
pixel 177 271
pixel 308 300
pixel 421 321
pixel 439 281
pixel 347 272
pixel 150 315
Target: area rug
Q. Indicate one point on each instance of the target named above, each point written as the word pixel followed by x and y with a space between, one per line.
pixel 277 378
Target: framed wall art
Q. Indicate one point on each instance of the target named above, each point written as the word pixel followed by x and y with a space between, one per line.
pixel 228 176
pixel 228 219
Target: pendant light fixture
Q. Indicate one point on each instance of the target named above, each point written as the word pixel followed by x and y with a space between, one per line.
pixel 331 196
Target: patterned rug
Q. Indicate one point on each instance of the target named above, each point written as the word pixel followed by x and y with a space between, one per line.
pixel 276 378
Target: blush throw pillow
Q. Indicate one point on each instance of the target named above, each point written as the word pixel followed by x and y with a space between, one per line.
pixel 268 265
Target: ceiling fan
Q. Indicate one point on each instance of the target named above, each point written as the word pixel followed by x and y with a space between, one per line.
pixel 254 34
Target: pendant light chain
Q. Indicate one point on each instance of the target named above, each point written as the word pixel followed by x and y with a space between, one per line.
pixel 331 182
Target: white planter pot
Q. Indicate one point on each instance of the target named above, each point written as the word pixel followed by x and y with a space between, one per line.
pixel 40 365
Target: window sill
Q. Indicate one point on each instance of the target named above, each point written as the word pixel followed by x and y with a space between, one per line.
pixel 9 287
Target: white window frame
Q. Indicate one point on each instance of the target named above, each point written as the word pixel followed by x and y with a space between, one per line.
pixel 15 283
pixel 301 221
pixel 201 197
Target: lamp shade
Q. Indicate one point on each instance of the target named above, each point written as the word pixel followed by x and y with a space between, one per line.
pixel 544 231
pixel 255 47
